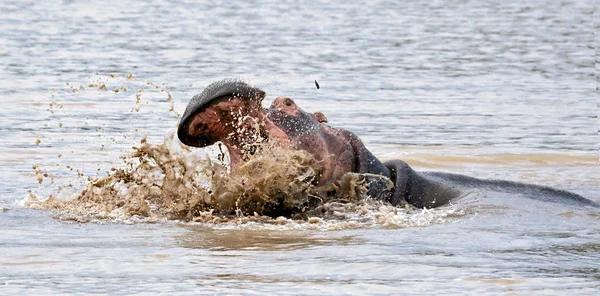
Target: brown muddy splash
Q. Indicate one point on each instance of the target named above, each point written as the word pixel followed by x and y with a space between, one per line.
pixel 168 181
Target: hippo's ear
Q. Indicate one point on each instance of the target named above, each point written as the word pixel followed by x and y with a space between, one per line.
pixel 320 117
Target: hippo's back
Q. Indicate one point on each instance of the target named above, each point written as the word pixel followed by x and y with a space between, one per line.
pixel 538 192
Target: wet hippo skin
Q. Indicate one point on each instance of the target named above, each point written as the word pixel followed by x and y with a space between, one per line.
pixel 228 108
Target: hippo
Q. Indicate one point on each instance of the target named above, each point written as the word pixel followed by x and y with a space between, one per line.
pixel 231 111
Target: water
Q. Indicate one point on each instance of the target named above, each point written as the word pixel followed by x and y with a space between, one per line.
pixel 494 89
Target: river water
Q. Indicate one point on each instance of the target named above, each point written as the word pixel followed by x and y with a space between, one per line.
pixel 493 89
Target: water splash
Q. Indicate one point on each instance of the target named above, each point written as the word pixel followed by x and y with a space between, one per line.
pixel 170 181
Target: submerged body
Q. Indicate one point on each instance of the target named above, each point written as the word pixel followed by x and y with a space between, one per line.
pixel 225 111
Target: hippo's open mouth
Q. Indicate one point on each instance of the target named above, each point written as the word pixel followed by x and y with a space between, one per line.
pixel 209 114
pixel 229 111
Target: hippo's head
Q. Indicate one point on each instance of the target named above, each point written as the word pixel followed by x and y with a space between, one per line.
pixel 230 111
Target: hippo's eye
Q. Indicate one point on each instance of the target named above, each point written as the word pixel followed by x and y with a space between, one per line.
pixel 287 103
pixel 223 113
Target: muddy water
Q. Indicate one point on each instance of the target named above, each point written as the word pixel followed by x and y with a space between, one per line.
pixel 501 89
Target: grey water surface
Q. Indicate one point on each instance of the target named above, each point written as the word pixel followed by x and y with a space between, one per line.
pixel 492 89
